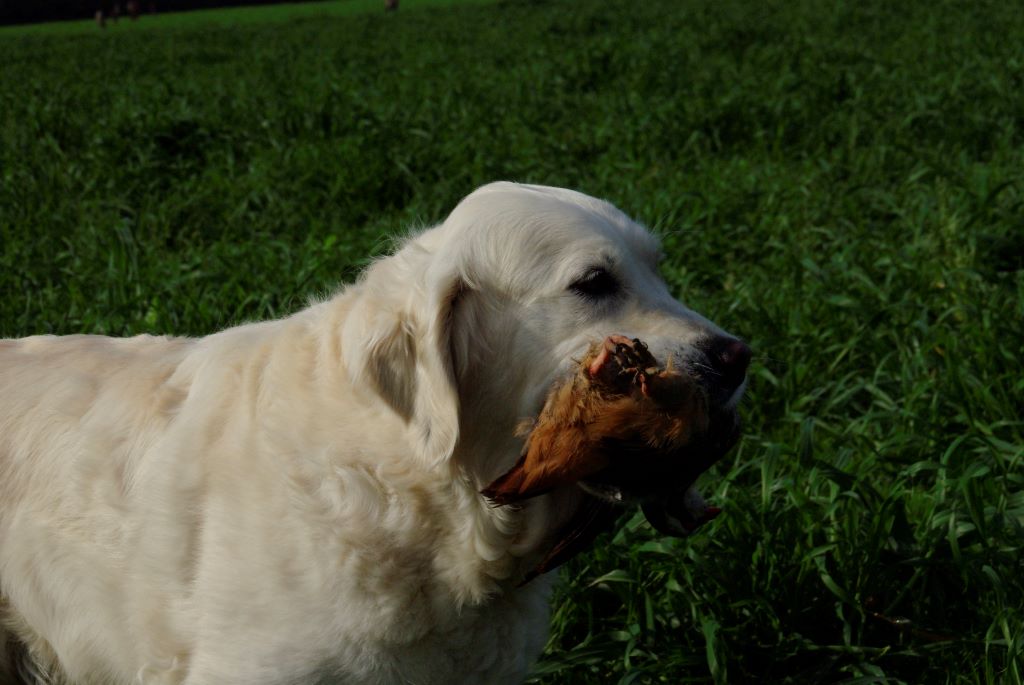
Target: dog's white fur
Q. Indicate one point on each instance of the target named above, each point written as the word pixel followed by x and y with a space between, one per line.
pixel 296 501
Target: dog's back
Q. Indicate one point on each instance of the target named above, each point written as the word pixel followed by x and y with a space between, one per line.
pixel 74 412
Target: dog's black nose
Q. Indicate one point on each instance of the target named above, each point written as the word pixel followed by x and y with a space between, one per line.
pixel 729 358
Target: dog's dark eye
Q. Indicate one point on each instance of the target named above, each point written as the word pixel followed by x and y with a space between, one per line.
pixel 596 284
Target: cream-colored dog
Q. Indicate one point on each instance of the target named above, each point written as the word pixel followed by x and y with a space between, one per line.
pixel 298 501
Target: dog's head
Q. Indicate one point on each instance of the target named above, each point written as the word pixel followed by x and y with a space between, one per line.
pixel 464 331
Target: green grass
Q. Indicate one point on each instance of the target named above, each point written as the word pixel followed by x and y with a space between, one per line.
pixel 842 183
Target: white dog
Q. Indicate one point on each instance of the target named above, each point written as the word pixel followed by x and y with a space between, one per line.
pixel 298 501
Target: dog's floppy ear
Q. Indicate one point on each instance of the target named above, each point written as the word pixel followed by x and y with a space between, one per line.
pixel 396 341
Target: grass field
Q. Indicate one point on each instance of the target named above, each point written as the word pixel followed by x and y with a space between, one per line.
pixel 842 183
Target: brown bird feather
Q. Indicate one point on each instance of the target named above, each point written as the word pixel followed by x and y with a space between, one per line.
pixel 620 402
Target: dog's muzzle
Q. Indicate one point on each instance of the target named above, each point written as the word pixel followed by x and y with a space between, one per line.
pixel 664 487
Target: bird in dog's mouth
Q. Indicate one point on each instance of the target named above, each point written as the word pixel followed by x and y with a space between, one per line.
pixel 626 430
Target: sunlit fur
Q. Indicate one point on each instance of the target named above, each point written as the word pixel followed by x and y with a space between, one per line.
pixel 297 501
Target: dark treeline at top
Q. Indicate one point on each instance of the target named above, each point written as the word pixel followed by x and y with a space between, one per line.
pixel 29 11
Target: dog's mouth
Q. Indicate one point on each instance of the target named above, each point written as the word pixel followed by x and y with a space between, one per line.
pixel 660 480
pixel 667 496
pixel 664 487
pixel 626 430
